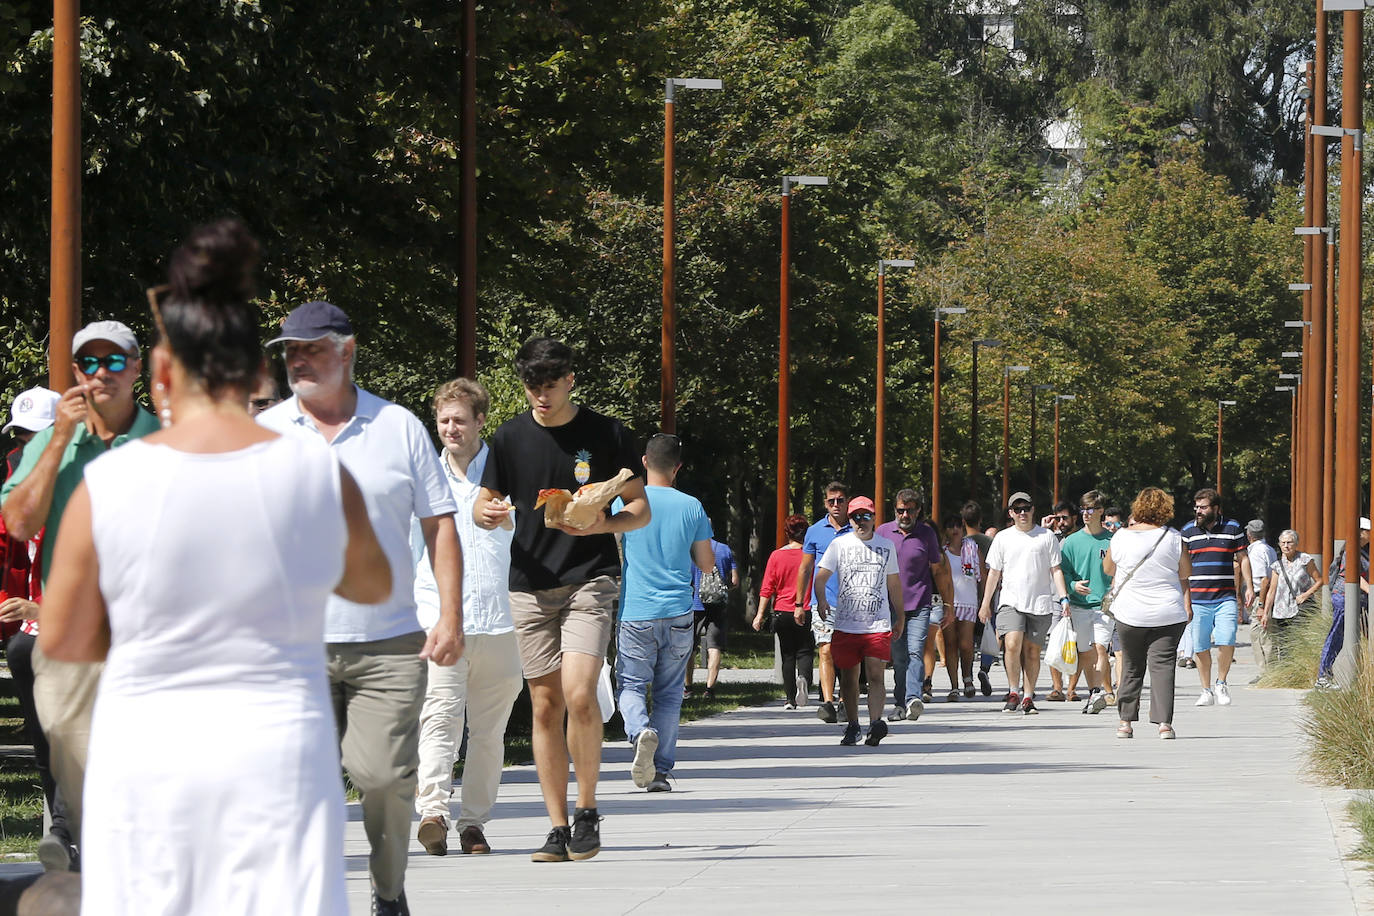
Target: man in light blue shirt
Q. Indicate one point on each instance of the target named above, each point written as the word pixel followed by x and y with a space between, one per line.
pixel 654 641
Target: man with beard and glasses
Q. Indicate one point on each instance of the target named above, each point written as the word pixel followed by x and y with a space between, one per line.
pixel 1221 570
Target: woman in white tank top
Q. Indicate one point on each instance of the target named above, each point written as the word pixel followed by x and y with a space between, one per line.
pixel 196 562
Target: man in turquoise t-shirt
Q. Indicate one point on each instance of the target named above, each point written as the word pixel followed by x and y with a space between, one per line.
pixel 654 640
pixel 1081 561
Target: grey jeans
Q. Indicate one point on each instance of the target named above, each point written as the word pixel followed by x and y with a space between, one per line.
pixel 378 689
pixel 1155 648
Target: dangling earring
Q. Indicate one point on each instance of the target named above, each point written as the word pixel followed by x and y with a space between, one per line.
pixel 165 413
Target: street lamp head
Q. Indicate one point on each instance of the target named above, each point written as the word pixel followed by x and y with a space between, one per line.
pixel 1227 403
pixel 1299 287
pixel 895 262
pixel 1296 324
pixel 1043 387
pixel 1291 354
pixel 1284 388
pixel 949 310
pixel 1066 397
pixel 789 180
pixel 1309 230
pixel 1011 369
pixel 1291 375
pixel 679 82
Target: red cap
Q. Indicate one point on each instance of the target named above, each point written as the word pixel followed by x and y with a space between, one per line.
pixel 861 504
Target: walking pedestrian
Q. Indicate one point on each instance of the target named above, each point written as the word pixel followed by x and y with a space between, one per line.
pixel 778 596
pixel 1335 637
pixel 972 514
pixel 1024 562
pixel 1152 603
pixel 1220 578
pixel 376 651
pixel 966 571
pixel 477 692
pixel 563 581
pixel 864 564
pixel 232 802
pixel 1292 582
pixel 654 639
pixel 1261 558
pixel 921 567
pixel 818 537
pixel 1083 554
pixel 711 610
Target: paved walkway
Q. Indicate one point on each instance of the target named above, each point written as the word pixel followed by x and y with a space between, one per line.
pixel 967 807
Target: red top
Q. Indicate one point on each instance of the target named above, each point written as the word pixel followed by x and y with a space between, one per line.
pixel 780 579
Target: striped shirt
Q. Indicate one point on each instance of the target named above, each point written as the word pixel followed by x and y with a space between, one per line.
pixel 1213 555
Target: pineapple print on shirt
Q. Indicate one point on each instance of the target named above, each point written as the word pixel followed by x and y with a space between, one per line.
pixel 582 467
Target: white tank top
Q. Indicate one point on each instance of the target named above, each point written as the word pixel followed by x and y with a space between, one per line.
pixel 215 567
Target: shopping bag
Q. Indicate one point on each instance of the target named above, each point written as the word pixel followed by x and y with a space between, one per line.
pixel 989 644
pixel 1070 652
pixel 1060 634
pixel 605 698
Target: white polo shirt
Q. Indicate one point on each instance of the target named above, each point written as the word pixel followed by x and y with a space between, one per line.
pixel 486 560
pixel 389 453
pixel 1026 560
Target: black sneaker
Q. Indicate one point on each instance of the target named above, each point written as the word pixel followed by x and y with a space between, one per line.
pixel 985 683
pixel 968 689
pixel 555 848
pixel 395 907
pixel 877 731
pixel 1013 703
pixel 826 712
pixel 851 734
pixel 926 695
pixel 586 834
pixel 1028 707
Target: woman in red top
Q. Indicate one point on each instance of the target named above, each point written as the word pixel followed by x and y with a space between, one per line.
pixel 790 623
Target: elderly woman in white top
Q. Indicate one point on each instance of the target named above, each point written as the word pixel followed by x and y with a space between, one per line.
pixel 1293 580
pixel 1151 605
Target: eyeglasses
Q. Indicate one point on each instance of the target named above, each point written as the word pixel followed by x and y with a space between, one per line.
pixel 1111 526
pixel 90 365
pixel 1088 510
pixel 862 516
pixel 1061 518
pixel 905 511
pixel 1020 510
pixel 837 501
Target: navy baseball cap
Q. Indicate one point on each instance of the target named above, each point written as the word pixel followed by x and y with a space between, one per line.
pixel 313 321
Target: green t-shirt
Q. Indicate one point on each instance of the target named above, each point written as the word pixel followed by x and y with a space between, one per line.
pixel 1081 558
pixel 84 448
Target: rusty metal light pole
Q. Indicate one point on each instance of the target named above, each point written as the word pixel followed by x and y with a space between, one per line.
pixel 467 197
pixel 935 416
pixel 880 433
pixel 1323 303
pixel 1219 404
pixel 1034 457
pixel 1006 434
pixel 974 409
pixel 1292 439
pixel 668 375
pixel 784 348
pixel 64 281
pixel 1058 398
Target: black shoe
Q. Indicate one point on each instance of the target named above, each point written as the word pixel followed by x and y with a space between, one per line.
pixel 968 689
pixel 555 848
pixel 586 834
pixel 851 734
pixel 395 907
pixel 985 683
pixel 826 713
pixel 57 853
pixel 708 694
pixel 877 731
pixel 926 695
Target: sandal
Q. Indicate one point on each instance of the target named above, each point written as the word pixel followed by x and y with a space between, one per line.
pixel 1074 697
pixel 1056 696
pixel 1124 731
pixel 1166 732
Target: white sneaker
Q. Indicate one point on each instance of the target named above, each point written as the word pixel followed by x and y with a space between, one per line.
pixel 642 769
pixel 801 692
pixel 1205 698
pixel 1223 694
pixel 898 714
pixel 914 708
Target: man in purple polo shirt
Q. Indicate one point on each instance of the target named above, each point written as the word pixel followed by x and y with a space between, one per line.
pixel 921 567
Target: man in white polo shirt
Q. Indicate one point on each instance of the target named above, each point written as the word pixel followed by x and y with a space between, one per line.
pixel 1024 561
pixel 376 652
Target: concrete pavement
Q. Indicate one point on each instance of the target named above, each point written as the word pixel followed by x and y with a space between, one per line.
pixel 967 807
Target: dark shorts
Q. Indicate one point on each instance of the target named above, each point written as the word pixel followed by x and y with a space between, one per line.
pixel 711 623
pixel 850 649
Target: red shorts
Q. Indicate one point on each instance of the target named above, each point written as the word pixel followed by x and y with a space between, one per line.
pixel 849 649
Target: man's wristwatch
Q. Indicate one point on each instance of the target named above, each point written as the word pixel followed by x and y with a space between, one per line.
pixel 1064 599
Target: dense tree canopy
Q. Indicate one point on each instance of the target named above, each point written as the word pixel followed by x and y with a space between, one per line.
pixel 1149 285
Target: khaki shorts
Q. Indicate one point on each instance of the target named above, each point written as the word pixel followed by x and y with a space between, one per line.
pixel 571 618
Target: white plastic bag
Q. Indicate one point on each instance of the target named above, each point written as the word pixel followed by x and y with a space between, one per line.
pixel 1185 644
pixel 605 698
pixel 989 644
pixel 1060 633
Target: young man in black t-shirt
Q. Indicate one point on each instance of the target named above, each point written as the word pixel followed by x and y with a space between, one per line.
pixel 563 581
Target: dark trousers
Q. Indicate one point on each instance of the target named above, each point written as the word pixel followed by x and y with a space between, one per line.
pixel 798 649
pixel 1157 648
pixel 19 652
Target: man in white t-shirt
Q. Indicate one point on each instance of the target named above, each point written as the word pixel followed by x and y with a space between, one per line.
pixel 867 602
pixel 1024 561
pixel 1262 558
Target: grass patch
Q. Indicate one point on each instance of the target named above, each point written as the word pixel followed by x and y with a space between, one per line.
pixel 747 649
pixel 1361 812
pixel 1340 724
pixel 1303 641
pixel 21 797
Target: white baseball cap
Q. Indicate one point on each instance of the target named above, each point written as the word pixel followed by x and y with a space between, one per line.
pixel 116 332
pixel 34 410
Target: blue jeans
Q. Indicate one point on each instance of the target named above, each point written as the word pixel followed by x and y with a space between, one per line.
pixel 908 656
pixel 653 654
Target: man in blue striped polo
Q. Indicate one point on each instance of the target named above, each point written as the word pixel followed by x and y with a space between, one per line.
pixel 1216 547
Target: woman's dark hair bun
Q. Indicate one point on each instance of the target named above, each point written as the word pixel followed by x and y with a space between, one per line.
pixel 216 264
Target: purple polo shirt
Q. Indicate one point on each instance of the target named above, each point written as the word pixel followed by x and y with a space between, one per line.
pixel 915 551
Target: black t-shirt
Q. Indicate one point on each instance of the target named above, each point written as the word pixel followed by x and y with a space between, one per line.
pixel 526 458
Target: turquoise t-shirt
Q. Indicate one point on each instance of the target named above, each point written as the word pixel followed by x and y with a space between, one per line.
pixel 1081 558
pixel 657 578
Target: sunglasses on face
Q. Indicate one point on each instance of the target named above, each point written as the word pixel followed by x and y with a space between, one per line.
pixel 1088 510
pixel 1061 518
pixel 903 510
pixel 862 517
pixel 1112 526
pixel 90 365
pixel 1020 510
pixel 837 500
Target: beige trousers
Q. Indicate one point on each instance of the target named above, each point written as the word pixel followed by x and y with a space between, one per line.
pixel 480 689
pixel 377 689
pixel 64 695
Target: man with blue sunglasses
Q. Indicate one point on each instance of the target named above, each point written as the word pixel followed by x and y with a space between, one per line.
pixel 95 415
